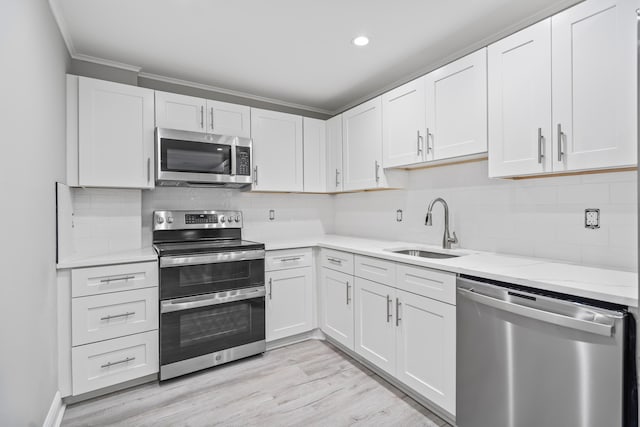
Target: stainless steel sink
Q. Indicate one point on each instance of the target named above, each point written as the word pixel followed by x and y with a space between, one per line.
pixel 424 254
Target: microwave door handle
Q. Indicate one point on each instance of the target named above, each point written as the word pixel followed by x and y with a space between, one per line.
pixel 233 160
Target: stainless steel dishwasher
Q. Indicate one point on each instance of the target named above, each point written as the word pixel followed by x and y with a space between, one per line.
pixel 526 358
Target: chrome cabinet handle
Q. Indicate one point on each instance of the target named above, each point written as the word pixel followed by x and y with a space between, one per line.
pixel 540 155
pixel 389 315
pixel 117 316
pixel 295 258
pixel 115 279
pixel 398 304
pixel 270 287
pixel 377 171
pixel 211 118
pixel 418 140
pixel 255 175
pixel 348 298
pixel 337 174
pixel 201 117
pixel 560 137
pixel 108 364
pixel 426 138
pixel 148 169
pixel 335 261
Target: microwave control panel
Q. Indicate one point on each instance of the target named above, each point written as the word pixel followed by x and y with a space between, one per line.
pixel 243 161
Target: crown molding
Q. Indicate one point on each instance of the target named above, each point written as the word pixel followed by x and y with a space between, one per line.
pixel 54 5
pixel 107 62
pixel 232 92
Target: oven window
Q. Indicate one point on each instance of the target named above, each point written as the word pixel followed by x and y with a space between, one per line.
pixel 195 332
pixel 188 280
pixel 195 157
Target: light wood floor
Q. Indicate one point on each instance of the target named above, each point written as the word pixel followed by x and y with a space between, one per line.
pixel 306 384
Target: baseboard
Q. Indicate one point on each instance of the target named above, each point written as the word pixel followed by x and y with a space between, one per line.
pixel 56 412
pixel 314 334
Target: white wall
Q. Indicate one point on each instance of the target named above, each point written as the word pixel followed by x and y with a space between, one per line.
pixel 32 118
pixel 296 215
pixel 541 217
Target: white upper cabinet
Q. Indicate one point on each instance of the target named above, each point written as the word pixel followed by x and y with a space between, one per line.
pixel 594 79
pixel 519 102
pixel 277 151
pixel 457 108
pixel 189 113
pixel 362 146
pixel 315 167
pixel 403 124
pixel 181 112
pixel 114 134
pixel 224 118
pixel 334 154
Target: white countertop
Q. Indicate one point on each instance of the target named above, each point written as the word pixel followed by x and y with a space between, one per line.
pixel 135 255
pixel 620 287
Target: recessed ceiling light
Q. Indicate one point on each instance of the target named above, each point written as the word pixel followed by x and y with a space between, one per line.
pixel 360 41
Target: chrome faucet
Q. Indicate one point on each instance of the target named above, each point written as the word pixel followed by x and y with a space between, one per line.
pixel 447 240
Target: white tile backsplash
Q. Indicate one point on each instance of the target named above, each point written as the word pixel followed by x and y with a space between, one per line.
pixel 541 217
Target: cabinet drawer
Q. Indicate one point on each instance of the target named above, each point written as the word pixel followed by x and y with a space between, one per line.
pixel 113 278
pixel 336 260
pixel 434 284
pixel 375 269
pixel 102 317
pixel 106 363
pixel 289 258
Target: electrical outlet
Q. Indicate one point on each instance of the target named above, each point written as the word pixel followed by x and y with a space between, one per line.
pixel 272 215
pixel 592 218
pixel 399 215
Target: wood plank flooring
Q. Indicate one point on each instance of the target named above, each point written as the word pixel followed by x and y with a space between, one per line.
pixel 306 384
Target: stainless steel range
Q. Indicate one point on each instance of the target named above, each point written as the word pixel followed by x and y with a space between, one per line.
pixel 212 292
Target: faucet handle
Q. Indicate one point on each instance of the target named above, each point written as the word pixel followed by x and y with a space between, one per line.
pixel 453 239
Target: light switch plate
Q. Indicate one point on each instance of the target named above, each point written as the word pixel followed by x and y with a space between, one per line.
pixel 592 218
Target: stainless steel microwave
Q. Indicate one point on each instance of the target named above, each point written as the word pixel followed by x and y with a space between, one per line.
pixel 200 159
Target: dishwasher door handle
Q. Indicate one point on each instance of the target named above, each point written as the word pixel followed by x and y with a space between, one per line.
pixel 544 316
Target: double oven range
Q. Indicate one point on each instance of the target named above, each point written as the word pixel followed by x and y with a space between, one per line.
pixel 212 292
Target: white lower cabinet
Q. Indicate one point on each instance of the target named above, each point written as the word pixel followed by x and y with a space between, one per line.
pixel 110 362
pixel 426 347
pixel 289 302
pixel 337 296
pixel 375 330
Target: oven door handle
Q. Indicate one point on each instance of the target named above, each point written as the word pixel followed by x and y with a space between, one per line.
pixel 188 303
pixel 179 261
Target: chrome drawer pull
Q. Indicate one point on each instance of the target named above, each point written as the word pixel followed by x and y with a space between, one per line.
pixel 335 261
pixel 128 359
pixel 348 298
pixel 117 316
pixel 540 154
pixel 295 258
pixel 389 315
pixel 114 279
pixel 560 137
pixel 398 304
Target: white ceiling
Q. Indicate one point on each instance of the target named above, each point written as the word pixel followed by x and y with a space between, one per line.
pixel 296 51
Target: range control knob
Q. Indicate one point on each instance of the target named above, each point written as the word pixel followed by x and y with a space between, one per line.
pixel 170 219
pixel 237 218
pixel 229 219
pixel 159 219
pixel 221 219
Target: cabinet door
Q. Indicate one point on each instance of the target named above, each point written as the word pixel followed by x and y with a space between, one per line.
pixel 375 333
pixel 228 119
pixel 115 134
pixel 520 102
pixel 403 124
pixel 289 302
pixel 362 146
pixel 457 108
pixel 181 112
pixel 337 301
pixel 334 154
pixel 426 348
pixel 277 151
pixel 315 155
pixel 594 85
